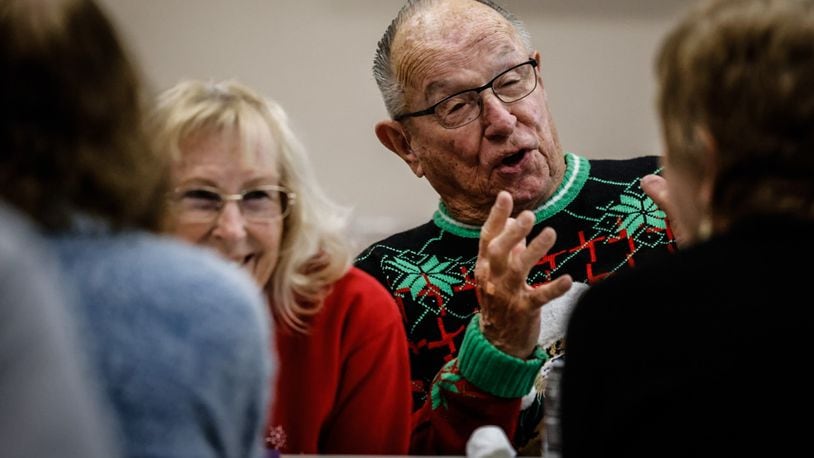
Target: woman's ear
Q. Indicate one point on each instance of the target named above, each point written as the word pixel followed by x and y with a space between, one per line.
pixel 707 181
pixel 394 137
pixel 710 165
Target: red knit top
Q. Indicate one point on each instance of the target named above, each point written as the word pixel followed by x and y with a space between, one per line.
pixel 344 388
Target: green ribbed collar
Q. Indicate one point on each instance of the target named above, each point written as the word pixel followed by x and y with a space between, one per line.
pixel 577 169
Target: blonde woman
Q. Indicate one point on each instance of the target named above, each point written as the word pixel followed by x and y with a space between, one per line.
pixel 243 187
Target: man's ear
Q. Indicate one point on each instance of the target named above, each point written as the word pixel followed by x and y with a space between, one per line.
pixel 395 138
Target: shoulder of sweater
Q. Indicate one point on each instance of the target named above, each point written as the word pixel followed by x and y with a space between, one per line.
pixel 162 269
pixel 143 250
pixel 398 239
pixel 628 167
pixel 361 296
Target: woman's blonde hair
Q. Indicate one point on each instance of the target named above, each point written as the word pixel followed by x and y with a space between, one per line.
pixel 314 252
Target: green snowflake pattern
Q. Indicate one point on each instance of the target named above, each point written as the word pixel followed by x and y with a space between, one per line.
pixel 638 211
pixel 417 276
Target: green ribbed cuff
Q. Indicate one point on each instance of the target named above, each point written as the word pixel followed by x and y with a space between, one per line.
pixel 493 371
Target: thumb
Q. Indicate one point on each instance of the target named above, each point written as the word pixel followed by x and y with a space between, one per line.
pixel 655 187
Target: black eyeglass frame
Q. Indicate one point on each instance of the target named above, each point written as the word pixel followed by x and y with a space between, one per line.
pixel 478 90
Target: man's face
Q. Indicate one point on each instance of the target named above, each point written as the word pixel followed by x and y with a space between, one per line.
pixel 510 146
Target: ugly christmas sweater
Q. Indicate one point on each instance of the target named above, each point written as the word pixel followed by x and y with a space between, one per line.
pixel 604 223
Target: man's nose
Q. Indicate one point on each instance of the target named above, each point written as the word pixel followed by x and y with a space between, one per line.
pixel 497 116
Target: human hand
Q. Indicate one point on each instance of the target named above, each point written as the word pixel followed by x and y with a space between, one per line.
pixel 655 186
pixel 510 308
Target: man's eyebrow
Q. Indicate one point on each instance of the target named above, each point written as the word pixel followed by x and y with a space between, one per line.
pixel 437 90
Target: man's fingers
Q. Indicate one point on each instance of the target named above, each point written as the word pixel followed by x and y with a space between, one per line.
pixel 543 294
pixel 538 248
pixel 501 249
pixel 500 212
pixel 655 187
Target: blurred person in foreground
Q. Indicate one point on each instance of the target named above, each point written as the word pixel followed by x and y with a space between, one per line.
pixel 718 336
pixel 243 187
pixel 480 294
pixel 44 378
pixel 178 339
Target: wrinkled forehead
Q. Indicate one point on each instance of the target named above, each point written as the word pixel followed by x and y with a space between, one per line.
pixel 449 36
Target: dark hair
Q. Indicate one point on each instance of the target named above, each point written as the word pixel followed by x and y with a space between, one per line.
pixel 71 107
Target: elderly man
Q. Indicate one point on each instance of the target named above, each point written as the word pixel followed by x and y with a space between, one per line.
pixel 468 110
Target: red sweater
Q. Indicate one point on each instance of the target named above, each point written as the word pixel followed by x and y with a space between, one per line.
pixel 344 388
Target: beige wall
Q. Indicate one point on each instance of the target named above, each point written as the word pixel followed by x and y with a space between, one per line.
pixel 314 57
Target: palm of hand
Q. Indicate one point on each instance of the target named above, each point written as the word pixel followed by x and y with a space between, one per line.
pixel 510 308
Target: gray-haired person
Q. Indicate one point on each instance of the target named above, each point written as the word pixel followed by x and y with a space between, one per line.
pixel 468 111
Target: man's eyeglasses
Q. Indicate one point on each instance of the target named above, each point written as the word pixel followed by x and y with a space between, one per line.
pixel 464 107
pixel 204 204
